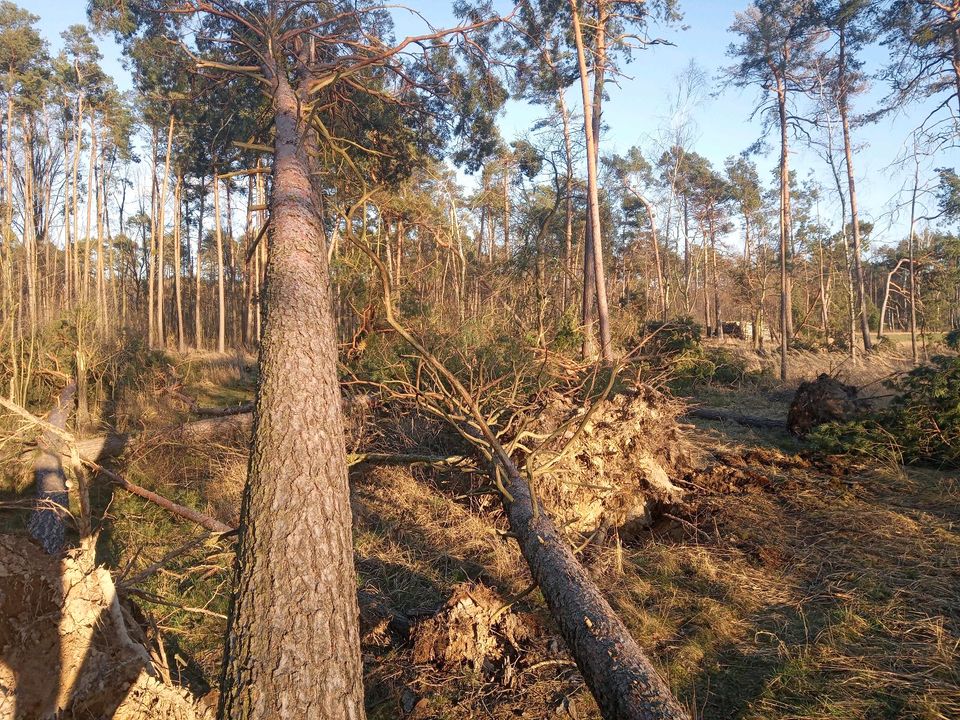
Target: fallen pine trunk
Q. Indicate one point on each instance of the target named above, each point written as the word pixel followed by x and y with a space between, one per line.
pixel 705 413
pixel 624 683
pixel 46 523
pixel 219 412
pixel 103 447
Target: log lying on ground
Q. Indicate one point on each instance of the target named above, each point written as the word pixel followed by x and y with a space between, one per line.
pixel 621 678
pixel 46 523
pixel 103 447
pixel 723 415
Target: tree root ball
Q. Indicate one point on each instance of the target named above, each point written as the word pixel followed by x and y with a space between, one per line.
pixel 67 646
pixel 614 469
pixel 474 628
pixel 824 400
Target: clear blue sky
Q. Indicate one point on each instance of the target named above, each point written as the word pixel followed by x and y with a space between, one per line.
pixel 636 109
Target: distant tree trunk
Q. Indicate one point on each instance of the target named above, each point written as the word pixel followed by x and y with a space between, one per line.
pixel 161 236
pixel 78 130
pixel 88 226
pixel 197 319
pixel 655 243
pixel 843 105
pixel 231 266
pixel 152 254
pixel 786 320
pixel 293 647
pixel 100 193
pixel 913 275
pixel 506 211
pixel 567 204
pixel 718 320
pixel 221 300
pixel 886 295
pixel 178 266
pixel 590 122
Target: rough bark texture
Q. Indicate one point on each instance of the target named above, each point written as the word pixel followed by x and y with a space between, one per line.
pixel 46 523
pixel 293 646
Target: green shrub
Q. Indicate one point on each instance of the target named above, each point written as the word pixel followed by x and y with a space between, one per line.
pixel 569 336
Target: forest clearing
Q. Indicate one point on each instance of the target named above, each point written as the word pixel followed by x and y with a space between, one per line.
pixel 371 361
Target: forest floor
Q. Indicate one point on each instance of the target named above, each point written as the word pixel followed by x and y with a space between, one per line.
pixel 794 586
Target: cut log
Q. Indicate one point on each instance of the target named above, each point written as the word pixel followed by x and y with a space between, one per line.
pixel 218 412
pixel 723 415
pixel 69 649
pixel 46 523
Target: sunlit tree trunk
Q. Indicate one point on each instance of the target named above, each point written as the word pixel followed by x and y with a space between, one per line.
pixel 786 303
pixel 178 266
pixel 197 319
pixel 293 646
pixel 594 236
pixel 161 237
pixel 152 254
pixel 218 235
pixel 88 227
pixel 843 105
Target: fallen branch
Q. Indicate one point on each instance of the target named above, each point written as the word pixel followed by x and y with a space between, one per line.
pixel 211 524
pixel 372 458
pixel 705 413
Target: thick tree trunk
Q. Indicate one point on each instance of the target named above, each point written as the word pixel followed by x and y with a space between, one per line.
pixel 293 646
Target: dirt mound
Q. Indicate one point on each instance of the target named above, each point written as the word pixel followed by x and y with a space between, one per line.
pixel 823 400
pixel 613 468
pixel 475 628
pixel 67 646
